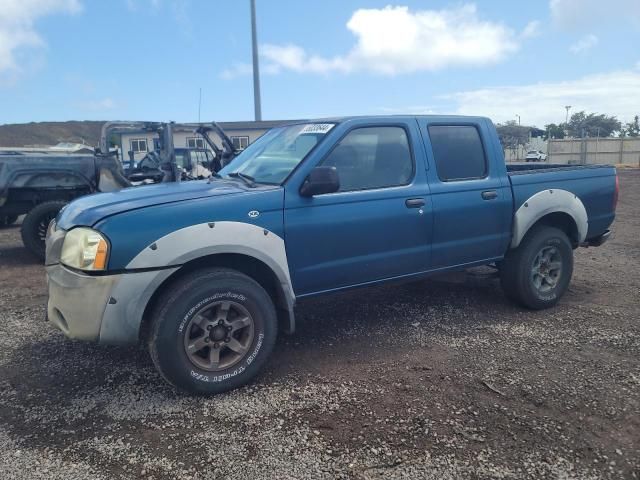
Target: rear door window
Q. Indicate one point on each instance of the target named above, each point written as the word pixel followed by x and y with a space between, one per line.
pixel 458 152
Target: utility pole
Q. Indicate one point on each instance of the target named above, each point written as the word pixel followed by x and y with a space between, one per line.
pixel 518 118
pixel 256 70
pixel 199 104
pixel 566 121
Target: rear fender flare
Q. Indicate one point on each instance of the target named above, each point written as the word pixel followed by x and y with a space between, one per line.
pixel 546 202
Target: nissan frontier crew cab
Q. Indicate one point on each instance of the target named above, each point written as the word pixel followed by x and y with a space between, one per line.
pixel 204 272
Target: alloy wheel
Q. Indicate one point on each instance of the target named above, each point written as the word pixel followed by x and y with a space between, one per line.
pixel 219 335
pixel 546 269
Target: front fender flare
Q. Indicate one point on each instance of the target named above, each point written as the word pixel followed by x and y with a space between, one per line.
pixel 226 237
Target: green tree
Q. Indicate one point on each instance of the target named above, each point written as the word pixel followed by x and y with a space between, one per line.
pixel 632 129
pixel 592 125
pixel 511 134
pixel 554 131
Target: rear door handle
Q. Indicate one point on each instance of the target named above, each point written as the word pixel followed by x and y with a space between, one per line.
pixel 489 195
pixel 415 203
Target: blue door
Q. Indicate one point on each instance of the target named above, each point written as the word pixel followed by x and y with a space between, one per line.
pixel 471 196
pixel 377 226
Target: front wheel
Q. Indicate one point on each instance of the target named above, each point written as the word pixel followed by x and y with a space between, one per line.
pixel 213 331
pixel 538 272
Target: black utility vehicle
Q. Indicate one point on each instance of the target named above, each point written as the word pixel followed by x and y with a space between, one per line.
pixel 40 184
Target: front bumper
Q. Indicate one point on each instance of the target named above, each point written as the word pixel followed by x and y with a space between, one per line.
pixel 106 308
pixel 77 302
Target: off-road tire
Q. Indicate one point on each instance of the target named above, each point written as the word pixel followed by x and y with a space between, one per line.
pixel 35 224
pixel 517 270
pixel 174 319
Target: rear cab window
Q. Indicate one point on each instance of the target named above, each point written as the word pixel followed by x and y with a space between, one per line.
pixel 458 152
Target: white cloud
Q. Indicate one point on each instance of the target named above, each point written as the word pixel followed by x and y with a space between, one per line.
pixel 585 44
pixel 531 30
pixel 292 57
pixel 539 104
pixel 395 40
pixel 17 27
pixel 579 14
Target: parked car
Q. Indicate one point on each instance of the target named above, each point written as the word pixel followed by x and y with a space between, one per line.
pixel 39 185
pixel 203 273
pixel 536 156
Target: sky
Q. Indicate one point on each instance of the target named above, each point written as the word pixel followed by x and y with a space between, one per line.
pixel 148 59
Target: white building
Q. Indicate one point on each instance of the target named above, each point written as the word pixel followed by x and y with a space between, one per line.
pixel 241 134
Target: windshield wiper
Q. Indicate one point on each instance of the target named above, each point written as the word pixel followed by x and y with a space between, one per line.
pixel 248 179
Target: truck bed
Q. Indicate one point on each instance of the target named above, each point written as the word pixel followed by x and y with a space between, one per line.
pixel 593 184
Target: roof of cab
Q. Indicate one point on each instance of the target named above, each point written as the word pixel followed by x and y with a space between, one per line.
pixel 390 117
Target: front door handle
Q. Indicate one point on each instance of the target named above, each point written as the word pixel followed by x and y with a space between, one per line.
pixel 489 195
pixel 415 203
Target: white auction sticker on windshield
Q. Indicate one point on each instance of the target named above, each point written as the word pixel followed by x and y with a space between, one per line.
pixel 317 128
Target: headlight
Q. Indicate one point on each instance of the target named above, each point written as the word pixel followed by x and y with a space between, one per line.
pixel 85 249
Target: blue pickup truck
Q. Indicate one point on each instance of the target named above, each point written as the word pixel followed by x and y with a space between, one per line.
pixel 207 272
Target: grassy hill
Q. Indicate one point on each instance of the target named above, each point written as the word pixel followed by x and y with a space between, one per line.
pixel 49 133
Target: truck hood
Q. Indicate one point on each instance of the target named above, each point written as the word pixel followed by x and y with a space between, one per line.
pixel 88 210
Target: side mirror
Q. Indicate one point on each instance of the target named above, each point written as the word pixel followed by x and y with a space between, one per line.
pixel 320 180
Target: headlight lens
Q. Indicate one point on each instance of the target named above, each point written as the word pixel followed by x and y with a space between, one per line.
pixel 85 249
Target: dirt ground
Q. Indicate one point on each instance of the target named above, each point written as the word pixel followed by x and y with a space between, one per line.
pixel 437 379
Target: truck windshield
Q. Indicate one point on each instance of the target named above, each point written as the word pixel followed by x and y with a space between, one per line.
pixel 272 157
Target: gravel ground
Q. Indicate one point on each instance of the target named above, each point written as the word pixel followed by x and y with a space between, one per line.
pixel 437 379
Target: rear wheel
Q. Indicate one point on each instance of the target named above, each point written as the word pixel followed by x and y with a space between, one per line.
pixel 538 272
pixel 213 331
pixel 35 224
